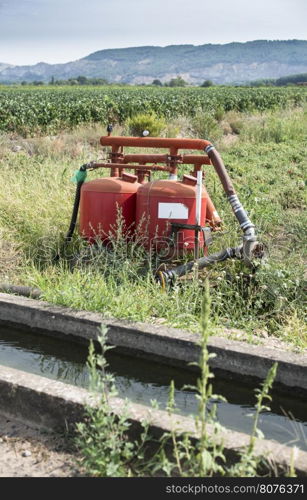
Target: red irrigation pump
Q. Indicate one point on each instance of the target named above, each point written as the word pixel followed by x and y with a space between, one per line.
pixel 180 210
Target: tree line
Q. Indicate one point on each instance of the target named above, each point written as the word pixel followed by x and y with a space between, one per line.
pixel 300 79
pixel 83 80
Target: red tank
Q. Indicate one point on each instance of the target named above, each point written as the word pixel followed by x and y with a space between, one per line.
pixel 161 202
pixel 101 200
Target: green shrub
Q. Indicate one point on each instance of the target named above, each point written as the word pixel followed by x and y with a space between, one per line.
pixel 150 122
pixel 101 438
pixel 235 121
pixel 219 113
pixel 205 126
pixel 278 127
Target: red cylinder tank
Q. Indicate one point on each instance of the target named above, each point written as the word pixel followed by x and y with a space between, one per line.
pixel 102 200
pixel 212 216
pixel 161 202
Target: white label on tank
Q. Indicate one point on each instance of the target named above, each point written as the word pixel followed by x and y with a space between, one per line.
pixel 173 211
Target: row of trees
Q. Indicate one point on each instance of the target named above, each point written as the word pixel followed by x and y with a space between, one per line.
pixel 83 80
pixel 179 82
pixel 300 79
pixel 80 80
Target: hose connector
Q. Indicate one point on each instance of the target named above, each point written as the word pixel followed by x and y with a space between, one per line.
pixel 250 243
pixel 209 148
pixel 80 174
pixel 241 215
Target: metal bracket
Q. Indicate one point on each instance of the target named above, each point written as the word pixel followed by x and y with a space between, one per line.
pixel 176 226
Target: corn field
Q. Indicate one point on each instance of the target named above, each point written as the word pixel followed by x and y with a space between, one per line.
pixel 31 111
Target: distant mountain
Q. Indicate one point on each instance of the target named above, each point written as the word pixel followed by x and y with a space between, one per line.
pixel 4 66
pixel 232 62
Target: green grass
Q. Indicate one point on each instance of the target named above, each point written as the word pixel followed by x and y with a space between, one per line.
pixel 266 159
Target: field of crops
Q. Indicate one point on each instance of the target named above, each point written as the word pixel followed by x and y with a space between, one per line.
pixel 261 134
pixel 31 111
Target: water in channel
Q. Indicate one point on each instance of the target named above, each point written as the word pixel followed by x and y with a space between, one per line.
pixel 142 381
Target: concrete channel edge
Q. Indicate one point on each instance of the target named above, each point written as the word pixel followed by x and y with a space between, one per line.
pixel 54 405
pixel 170 345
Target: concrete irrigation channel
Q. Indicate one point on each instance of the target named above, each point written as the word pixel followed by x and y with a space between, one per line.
pixel 37 338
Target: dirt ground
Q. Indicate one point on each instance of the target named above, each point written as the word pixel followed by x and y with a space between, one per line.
pixel 31 452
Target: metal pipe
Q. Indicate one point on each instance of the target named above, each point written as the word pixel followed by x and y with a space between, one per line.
pixel 199 186
pixel 26 291
pixel 95 165
pixel 114 172
pixel 197 160
pixel 144 158
pixel 173 159
pixel 164 158
pixel 154 142
pixel 220 169
pixel 250 243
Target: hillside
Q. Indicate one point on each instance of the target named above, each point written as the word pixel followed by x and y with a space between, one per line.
pixel 233 62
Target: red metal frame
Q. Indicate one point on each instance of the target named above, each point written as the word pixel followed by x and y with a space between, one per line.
pixel 143 164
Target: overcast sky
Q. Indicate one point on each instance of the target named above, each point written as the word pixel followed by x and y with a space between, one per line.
pixel 64 30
